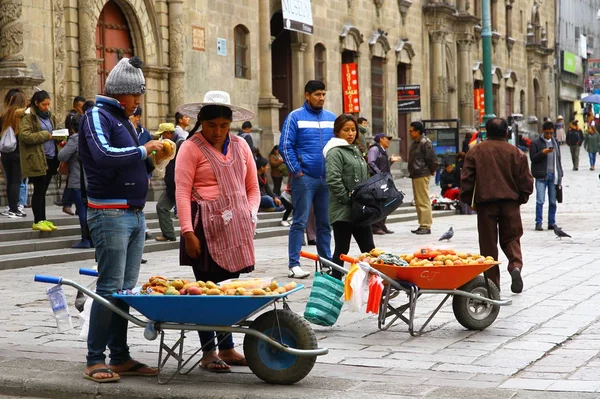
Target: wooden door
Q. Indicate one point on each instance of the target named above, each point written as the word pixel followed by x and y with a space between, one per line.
pixel 113 41
pixel 281 60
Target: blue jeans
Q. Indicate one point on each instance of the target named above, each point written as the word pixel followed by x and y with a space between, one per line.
pixel 540 189
pixel 75 195
pixel 266 202
pixel 23 192
pixel 118 235
pixel 592 156
pixel 308 191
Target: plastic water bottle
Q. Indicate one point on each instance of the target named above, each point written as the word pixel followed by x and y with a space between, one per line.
pixel 58 303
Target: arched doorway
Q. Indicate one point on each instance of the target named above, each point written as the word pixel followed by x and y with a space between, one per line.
pixel 281 61
pixel 113 40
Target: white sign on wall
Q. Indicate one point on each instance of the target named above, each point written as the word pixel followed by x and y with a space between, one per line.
pixel 221 47
pixel 297 15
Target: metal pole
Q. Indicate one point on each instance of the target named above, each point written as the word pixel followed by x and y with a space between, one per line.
pixel 486 37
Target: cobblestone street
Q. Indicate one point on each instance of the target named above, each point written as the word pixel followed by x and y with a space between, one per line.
pixel 544 345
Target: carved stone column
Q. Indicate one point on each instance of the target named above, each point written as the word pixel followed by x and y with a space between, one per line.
pixel 60 58
pixel 176 48
pixel 268 105
pixel 299 80
pixel 309 58
pixel 465 83
pixel 88 64
pixel 13 69
pixel 544 85
pixel 439 83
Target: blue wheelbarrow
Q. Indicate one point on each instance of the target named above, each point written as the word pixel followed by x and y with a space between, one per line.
pixel 279 345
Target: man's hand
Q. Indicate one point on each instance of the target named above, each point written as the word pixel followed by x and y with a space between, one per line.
pixel 547 150
pixel 396 158
pixel 192 245
pixel 449 185
pixel 300 174
pixel 277 201
pixel 153 145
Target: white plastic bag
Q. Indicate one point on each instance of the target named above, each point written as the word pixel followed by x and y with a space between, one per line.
pixel 358 285
pixel 85 317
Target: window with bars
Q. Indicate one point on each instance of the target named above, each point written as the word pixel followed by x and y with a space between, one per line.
pixel 242 52
pixel 320 63
pixel 377 95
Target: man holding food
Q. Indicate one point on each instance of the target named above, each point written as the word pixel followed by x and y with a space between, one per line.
pixel 113 161
pixel 496 180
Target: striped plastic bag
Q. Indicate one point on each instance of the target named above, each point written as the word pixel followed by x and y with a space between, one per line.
pixel 325 300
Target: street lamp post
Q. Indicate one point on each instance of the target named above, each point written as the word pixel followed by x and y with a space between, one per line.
pixel 486 38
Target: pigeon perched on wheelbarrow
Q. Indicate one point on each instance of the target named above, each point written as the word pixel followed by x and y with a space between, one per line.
pixel 447 235
pixel 559 233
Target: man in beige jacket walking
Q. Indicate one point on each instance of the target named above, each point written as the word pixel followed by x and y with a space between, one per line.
pixel 422 164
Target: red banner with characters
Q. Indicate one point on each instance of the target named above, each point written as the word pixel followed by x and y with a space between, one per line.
pixel 479 104
pixel 350 88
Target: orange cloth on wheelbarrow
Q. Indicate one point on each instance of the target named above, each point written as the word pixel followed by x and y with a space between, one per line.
pixel 375 292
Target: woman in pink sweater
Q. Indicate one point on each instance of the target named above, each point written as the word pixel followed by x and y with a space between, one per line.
pixel 217 197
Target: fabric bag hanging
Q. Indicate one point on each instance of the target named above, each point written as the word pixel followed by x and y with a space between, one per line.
pixel 325 300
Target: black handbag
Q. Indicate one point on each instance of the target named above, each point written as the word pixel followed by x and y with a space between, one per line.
pixel 374 199
pixel 559 193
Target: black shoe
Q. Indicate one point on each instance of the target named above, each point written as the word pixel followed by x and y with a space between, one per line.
pixel 551 227
pixel 421 231
pixel 379 232
pixel 415 230
pixel 538 227
pixel 388 231
pixel 517 281
pixel 312 242
pixel 144 261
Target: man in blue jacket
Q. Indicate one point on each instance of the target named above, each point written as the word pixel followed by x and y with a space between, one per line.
pixel 113 160
pixel 305 132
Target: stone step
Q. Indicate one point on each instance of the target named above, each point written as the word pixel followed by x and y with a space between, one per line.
pixel 20 246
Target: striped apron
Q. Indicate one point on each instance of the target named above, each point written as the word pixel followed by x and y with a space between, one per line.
pixel 227 220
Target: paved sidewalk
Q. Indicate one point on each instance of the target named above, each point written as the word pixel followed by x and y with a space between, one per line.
pixel 543 346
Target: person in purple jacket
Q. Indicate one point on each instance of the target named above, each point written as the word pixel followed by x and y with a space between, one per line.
pixel 114 164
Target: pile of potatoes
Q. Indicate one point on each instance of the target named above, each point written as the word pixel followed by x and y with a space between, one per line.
pixel 158 285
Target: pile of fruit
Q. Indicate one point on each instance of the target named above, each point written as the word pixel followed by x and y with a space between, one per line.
pixel 158 285
pixel 428 257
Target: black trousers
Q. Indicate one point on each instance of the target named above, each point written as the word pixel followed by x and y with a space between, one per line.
pixel 342 234
pixel 288 208
pixel 277 184
pixel 12 169
pixel 40 186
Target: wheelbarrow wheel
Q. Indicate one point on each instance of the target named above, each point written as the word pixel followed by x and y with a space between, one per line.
pixel 275 366
pixel 471 313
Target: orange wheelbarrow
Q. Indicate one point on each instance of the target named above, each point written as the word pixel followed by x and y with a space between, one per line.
pixel 475 299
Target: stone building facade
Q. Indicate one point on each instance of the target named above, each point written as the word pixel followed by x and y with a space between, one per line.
pixel 190 47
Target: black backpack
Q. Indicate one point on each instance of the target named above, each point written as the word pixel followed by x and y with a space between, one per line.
pixel 374 199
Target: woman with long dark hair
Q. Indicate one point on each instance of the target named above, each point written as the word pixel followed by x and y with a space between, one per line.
pixel 217 199
pixel 11 117
pixel 39 159
pixel 346 167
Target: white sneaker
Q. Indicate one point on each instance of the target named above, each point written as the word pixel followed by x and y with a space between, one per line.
pixel 297 272
pixel 285 223
pixel 21 208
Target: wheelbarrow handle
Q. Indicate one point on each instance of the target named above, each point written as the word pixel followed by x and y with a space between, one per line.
pixel 310 256
pixel 88 272
pixel 97 298
pixel 348 259
pixel 39 278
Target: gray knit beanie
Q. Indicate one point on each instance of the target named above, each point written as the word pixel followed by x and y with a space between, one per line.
pixel 126 78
